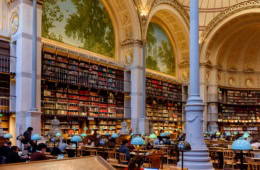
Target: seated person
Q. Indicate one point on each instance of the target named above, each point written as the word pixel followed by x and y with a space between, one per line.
pixel 156 141
pixel 124 149
pixel 13 156
pixel 39 154
pixel 136 164
pixel 4 150
pixel 112 142
pixel 90 143
pixel 167 141
pixel 63 145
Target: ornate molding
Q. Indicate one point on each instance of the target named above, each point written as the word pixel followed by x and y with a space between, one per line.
pixel 176 5
pixel 130 41
pixel 227 13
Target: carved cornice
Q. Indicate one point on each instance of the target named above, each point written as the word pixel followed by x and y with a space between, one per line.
pixel 227 13
pixel 177 6
pixel 10 2
pixel 130 41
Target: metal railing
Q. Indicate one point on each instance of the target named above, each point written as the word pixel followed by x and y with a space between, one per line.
pixel 7 64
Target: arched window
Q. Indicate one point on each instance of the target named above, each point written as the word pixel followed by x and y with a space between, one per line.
pixel 82 23
pixel 160 56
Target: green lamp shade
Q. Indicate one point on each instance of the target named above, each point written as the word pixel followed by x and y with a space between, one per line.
pixel 228 134
pixel 218 133
pixel 76 138
pixel 235 133
pixel 152 136
pixel 137 141
pixel 246 135
pixel 162 134
pixel 115 135
pixel 8 136
pixel 132 134
pixel 241 145
pixel 83 135
pixel 58 134
pixel 211 133
pixel 107 134
pixel 35 137
pixel 85 128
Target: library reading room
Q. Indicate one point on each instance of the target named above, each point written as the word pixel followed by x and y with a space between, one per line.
pixel 129 84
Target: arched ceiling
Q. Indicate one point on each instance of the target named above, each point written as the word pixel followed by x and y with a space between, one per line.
pixel 210 9
pixel 236 45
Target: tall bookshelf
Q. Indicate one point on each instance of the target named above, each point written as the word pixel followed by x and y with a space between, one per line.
pixel 239 110
pixel 5 84
pixel 164 104
pixel 81 89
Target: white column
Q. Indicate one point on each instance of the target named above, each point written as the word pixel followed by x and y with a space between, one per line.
pixel 213 102
pixel 25 117
pixel 198 157
pixel 139 123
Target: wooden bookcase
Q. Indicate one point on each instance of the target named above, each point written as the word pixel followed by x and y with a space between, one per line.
pixel 239 110
pixel 77 88
pixel 164 104
pixel 5 84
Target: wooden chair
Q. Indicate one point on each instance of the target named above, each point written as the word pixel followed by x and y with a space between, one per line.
pixel 112 157
pixel 165 150
pixel 93 152
pixel 214 157
pixel 229 158
pixel 174 156
pixel 252 165
pixel 177 168
pixel 122 158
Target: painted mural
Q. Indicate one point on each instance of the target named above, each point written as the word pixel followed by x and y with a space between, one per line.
pixel 160 56
pixel 82 23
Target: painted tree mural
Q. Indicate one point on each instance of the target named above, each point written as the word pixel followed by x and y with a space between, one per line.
pixel 160 56
pixel 81 23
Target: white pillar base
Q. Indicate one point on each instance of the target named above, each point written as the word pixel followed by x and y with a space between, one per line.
pixel 33 119
pixel 144 125
pixel 197 160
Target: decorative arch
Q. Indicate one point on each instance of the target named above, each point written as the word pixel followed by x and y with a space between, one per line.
pixel 228 44
pixel 222 19
pixel 171 16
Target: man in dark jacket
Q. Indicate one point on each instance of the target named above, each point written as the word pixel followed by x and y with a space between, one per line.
pixel 124 149
pixel 27 135
pixel 4 150
pixel 13 156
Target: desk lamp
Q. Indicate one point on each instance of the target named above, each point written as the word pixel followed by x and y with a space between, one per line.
pixel 183 146
pixel 83 135
pixel 115 135
pixel 76 139
pixel 137 141
pixel 8 136
pixel 35 137
pixel 241 145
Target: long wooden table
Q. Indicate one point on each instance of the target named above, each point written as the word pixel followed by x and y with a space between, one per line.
pixel 83 163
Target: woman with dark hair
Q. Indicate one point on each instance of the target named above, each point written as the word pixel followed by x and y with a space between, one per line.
pixel 13 156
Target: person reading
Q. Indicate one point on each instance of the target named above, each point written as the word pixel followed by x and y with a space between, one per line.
pixel 40 153
pixel 124 149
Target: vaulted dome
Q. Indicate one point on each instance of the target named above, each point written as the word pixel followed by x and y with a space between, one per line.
pixel 210 9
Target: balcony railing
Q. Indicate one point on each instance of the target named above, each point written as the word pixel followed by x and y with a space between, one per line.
pixel 7 64
pixel 7 103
